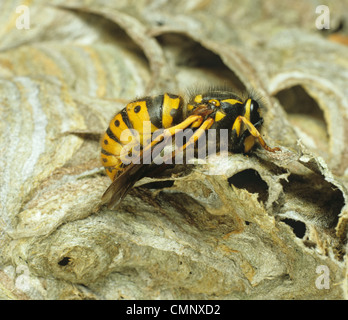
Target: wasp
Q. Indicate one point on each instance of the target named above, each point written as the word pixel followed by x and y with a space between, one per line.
pixel 215 109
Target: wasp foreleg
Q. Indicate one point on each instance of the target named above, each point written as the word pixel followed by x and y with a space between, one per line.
pixel 253 131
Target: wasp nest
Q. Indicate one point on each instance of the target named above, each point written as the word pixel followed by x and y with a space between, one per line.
pixel 235 227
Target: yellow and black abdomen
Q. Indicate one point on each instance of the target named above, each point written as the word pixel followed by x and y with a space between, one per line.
pixel 157 112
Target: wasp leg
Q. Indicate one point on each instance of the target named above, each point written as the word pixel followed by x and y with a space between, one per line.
pixel 197 134
pixel 239 141
pixel 171 131
pixel 253 131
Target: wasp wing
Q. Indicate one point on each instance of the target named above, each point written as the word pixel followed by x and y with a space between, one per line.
pixel 119 188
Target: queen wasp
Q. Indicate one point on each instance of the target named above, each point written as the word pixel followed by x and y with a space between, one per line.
pixel 215 109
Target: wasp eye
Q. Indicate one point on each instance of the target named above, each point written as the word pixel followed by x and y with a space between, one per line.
pixel 254 106
pixel 251 107
pixel 254 111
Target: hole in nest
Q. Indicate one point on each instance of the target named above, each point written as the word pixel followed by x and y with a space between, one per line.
pixel 65 261
pixel 110 31
pixel 250 180
pixel 306 116
pixel 297 226
pixel 195 58
pixel 314 198
pixel 296 100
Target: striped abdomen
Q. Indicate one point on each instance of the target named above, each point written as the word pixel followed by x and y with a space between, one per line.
pixel 162 111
